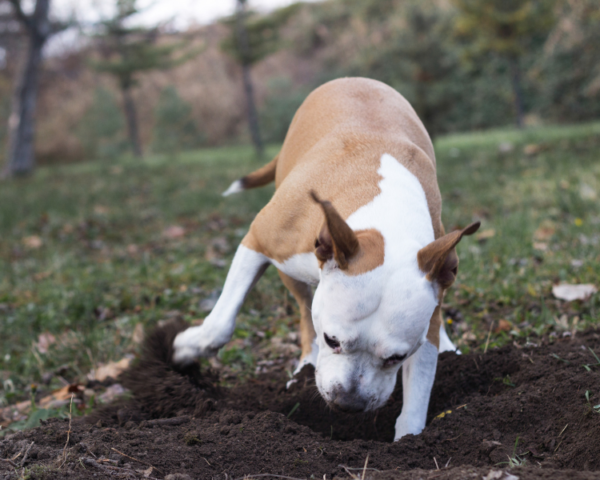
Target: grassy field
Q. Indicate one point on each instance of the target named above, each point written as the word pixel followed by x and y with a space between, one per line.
pixel 92 254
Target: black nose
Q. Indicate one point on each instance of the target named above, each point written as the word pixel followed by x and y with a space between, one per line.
pixel 347 402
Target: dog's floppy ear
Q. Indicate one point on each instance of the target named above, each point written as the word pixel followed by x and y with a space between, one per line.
pixel 439 260
pixel 336 239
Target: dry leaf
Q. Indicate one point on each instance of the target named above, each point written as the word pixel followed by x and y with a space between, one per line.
pixel 132 249
pixel 100 210
pixel 532 149
pixel 570 292
pixel 503 326
pixel 148 472
pixel 174 231
pixel 485 235
pixel 111 393
pixel 42 275
pixel 111 369
pixel 540 246
pixel 546 229
pixel 138 334
pixel 33 241
pixel 44 341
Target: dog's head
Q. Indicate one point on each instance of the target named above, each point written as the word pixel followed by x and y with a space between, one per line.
pixel 370 317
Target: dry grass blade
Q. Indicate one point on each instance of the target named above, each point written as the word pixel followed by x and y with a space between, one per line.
pixel 64 453
pixel 136 460
pixel 26 453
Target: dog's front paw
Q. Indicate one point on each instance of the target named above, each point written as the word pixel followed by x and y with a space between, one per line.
pixel 192 344
pixel 407 426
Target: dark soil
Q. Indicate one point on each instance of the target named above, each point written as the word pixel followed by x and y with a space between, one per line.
pixel 527 403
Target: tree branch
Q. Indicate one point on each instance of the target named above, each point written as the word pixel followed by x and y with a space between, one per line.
pixel 20 14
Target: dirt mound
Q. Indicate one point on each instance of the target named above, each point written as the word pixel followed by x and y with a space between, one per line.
pixel 516 405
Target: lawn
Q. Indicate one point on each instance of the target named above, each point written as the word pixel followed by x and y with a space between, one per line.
pixel 93 254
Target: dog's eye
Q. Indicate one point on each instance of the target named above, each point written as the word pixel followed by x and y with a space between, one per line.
pixel 331 342
pixel 393 360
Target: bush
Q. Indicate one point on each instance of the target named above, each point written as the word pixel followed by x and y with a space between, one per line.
pixel 279 108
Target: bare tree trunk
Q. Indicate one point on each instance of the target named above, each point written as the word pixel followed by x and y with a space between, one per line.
pixel 21 125
pixel 244 46
pixel 515 77
pixel 132 122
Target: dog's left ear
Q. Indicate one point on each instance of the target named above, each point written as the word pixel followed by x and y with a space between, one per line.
pixel 439 260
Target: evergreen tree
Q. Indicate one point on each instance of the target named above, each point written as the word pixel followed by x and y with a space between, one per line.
pixel 507 28
pixel 101 129
pixel 127 52
pixel 175 129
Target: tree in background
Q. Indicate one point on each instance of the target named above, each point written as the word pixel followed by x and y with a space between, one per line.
pixel 252 38
pixel 127 52
pixel 506 28
pixel 569 68
pixel 21 124
pixel 101 129
pixel 175 129
pixel 417 58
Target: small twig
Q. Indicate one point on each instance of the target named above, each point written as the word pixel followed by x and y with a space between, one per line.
pixel 487 342
pixel 365 467
pixel 448 462
pixel 437 467
pixel 10 462
pixel 563 430
pixel 64 453
pixel 261 475
pixel 26 453
pixel 169 421
pixel 135 459
pixel 109 469
pixel 206 461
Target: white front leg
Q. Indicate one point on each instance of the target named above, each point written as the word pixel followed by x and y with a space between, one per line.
pixel 217 329
pixel 418 373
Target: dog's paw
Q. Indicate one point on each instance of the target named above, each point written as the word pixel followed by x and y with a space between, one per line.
pixel 407 426
pixel 192 344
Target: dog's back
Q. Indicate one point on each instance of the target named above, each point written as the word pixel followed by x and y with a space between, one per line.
pixel 334 146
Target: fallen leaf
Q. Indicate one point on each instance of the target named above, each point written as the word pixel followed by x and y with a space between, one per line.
pixel 174 231
pixel 33 241
pixel 532 149
pixel 485 235
pixel 540 246
pixel 138 334
pixel 112 392
pixel 41 275
pixel 503 326
pixel 44 341
pixel 570 292
pixel 148 472
pixel 545 230
pixel 100 210
pixel 111 369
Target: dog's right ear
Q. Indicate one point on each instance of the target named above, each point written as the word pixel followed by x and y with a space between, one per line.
pixel 439 260
pixel 336 239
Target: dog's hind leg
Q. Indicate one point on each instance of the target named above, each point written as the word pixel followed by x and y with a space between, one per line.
pixel 302 292
pixel 217 329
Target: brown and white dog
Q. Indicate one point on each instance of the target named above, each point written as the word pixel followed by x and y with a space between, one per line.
pixel 356 213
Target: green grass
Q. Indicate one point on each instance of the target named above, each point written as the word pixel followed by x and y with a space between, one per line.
pixel 104 265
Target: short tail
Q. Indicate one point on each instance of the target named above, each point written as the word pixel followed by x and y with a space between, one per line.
pixel 258 178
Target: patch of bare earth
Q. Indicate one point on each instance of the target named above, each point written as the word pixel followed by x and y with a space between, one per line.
pixel 179 423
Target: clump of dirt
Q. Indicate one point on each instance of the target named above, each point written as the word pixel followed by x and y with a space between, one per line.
pixel 521 404
pixel 160 389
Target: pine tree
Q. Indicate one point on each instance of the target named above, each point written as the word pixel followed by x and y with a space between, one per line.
pixel 175 129
pixel 129 51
